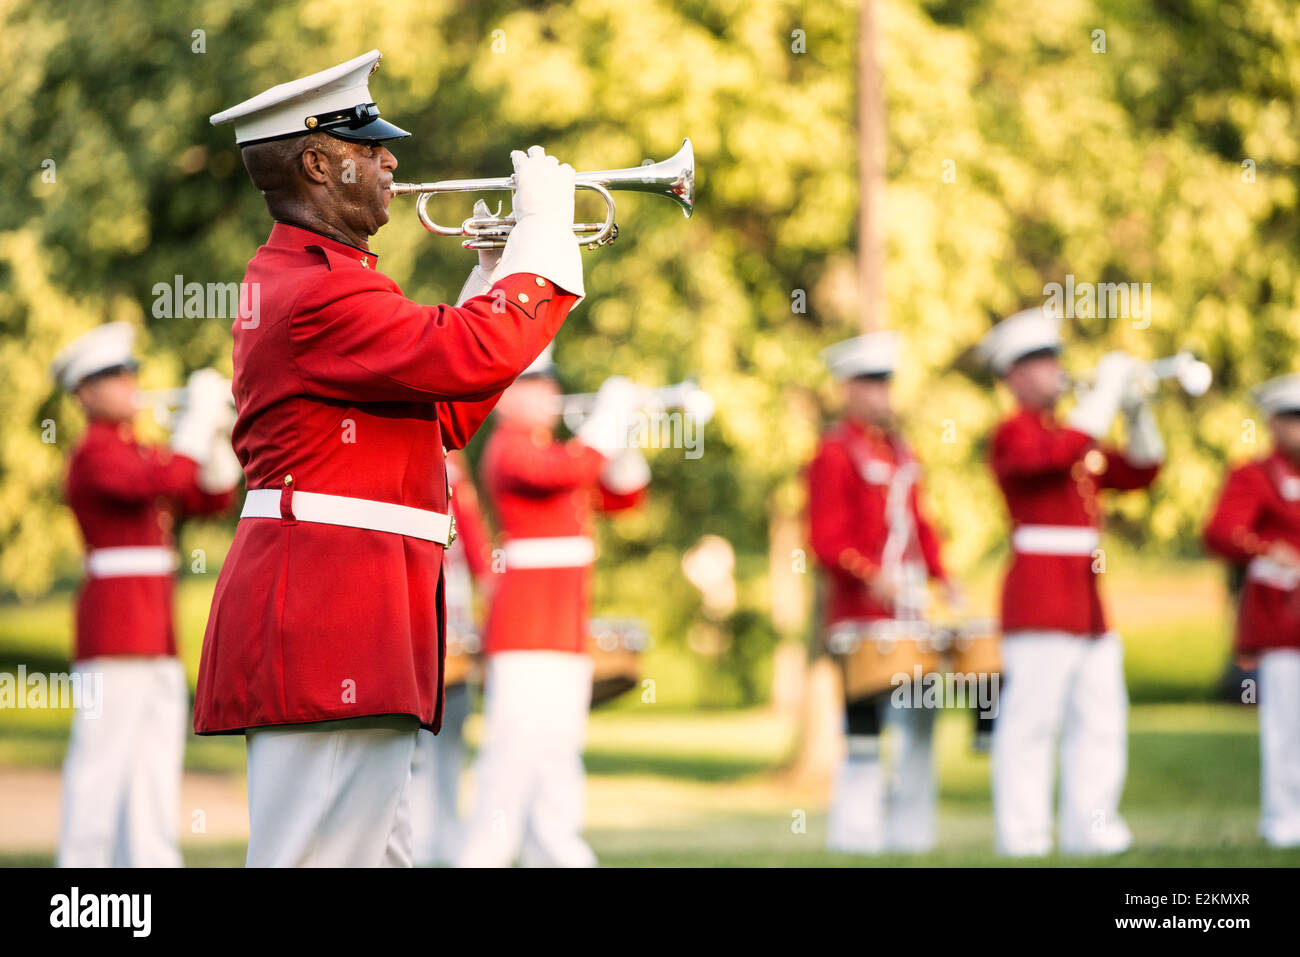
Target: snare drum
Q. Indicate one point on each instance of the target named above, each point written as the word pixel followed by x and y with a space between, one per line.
pixel 973 648
pixel 462 662
pixel 615 646
pixel 873 653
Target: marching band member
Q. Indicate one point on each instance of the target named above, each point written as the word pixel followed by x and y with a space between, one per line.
pixel 1256 523
pixel 122 773
pixel 1062 665
pixel 862 467
pixel 529 777
pixel 326 640
pixel 435 770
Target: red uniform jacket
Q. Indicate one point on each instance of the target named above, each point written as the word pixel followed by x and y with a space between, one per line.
pixel 1260 505
pixel 542 489
pixel 848 485
pixel 124 494
pixel 1050 475
pixel 344 386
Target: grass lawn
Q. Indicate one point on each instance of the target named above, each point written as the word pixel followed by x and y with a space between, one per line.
pixel 671 785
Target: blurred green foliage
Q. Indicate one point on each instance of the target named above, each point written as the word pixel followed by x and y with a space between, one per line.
pixel 1169 158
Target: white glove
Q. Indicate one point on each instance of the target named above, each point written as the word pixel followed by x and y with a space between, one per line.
pixel 1141 386
pixel 1145 446
pixel 606 429
pixel 542 241
pixel 480 277
pixel 222 471
pixel 1097 409
pixel 208 409
pixel 626 472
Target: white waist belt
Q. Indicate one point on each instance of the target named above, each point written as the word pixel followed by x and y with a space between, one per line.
pixel 1055 539
pixel 1268 572
pixel 121 562
pixel 351 512
pixel 573 551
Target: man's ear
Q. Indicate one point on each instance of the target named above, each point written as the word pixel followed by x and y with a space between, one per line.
pixel 315 165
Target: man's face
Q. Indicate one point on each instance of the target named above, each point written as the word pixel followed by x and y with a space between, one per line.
pixel 868 400
pixel 109 398
pixel 1036 382
pixel 533 401
pixel 364 176
pixel 1285 427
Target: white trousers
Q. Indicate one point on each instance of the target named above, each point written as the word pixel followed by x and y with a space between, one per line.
pixel 331 794
pixel 122 774
pixel 1054 683
pixel 877 806
pixel 436 828
pixel 529 780
pixel 1279 747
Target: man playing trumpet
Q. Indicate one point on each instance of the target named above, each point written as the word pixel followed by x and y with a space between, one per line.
pixel 326 640
pixel 122 773
pixel 1062 665
pixel 1256 523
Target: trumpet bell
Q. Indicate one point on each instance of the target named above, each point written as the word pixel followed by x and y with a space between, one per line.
pixel 673 178
pixel 1194 376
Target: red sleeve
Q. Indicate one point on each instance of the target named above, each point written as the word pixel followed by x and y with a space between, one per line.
pixel 1230 532
pixel 831 477
pixel 472 533
pixel 525 467
pixel 1024 451
pixel 925 533
pixel 131 474
pixel 1122 476
pixel 198 502
pixel 460 420
pixel 620 501
pixel 356 337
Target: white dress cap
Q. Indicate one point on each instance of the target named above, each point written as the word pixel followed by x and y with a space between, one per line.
pixel 102 348
pixel 335 101
pixel 873 354
pixel 1278 395
pixel 1032 330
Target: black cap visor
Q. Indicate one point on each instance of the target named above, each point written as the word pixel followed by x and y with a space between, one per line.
pixel 374 130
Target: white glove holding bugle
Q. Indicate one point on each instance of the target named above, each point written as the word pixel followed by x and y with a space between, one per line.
pixel 1096 410
pixel 606 428
pixel 202 431
pixel 1145 446
pixel 542 241
pixel 480 277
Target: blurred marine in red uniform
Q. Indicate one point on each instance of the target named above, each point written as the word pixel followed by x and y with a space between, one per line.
pixel 877 565
pixel 1256 524
pixel 326 640
pixel 529 778
pixel 122 773
pixel 1062 665
pixel 435 770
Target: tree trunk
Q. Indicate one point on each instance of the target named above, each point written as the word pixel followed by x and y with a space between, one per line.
pixel 820 737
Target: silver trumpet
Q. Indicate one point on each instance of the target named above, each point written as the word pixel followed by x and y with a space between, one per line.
pixel 673 177
pixel 1193 376
pixel 687 396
